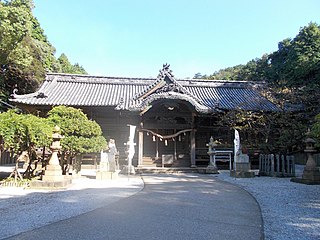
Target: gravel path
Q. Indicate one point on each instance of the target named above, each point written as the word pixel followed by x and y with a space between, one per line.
pixel 26 209
pixel 290 210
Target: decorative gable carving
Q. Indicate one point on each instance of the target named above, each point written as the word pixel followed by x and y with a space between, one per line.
pixel 172 87
pixel 165 87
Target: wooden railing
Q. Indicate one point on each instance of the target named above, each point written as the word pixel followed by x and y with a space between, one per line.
pixel 222 155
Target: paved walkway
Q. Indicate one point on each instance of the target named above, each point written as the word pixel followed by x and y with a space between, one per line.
pixel 185 206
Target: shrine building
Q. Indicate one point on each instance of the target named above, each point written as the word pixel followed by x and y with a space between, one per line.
pixel 174 118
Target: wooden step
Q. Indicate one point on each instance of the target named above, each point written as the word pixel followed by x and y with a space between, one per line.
pixel 148 161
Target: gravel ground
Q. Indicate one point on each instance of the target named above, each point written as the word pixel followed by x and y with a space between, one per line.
pixel 25 209
pixel 290 210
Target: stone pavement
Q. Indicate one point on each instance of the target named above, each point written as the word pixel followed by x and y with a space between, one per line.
pixel 181 206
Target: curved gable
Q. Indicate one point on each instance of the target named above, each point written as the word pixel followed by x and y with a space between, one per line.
pixel 165 87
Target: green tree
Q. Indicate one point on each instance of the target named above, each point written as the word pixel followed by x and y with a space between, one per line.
pixel 67 67
pixel 78 69
pixel 81 135
pixel 25 52
pixel 315 130
pixel 18 131
pixel 293 74
pixel 279 63
pixel 18 51
pixel 230 73
pixel 305 56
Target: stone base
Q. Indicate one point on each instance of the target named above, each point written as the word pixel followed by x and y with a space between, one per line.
pixel 305 181
pixel 241 174
pixel 312 174
pixel 51 184
pixel 106 175
pixel 309 177
pixel 211 169
pixel 128 170
pixel 53 173
pixel 243 167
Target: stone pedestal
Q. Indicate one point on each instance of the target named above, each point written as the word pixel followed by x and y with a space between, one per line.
pixel 211 169
pixel 107 168
pixel 106 175
pixel 246 174
pixel 53 173
pixel 311 174
pixel 128 170
pixel 53 179
pixel 309 177
pixel 242 167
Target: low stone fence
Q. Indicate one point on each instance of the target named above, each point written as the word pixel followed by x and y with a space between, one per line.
pixel 276 165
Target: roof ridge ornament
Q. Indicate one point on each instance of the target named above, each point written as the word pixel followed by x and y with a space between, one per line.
pixel 15 92
pixel 165 70
pixel 166 66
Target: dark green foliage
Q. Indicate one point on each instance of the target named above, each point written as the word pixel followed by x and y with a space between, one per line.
pixel 296 63
pixel 18 131
pixel 67 67
pixel 293 74
pixel 315 130
pixel 81 134
pixel 25 52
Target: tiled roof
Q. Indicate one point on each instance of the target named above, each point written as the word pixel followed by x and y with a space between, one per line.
pixel 130 93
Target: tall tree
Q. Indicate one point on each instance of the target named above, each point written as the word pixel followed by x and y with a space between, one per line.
pixel 19 131
pixel 293 72
pixel 67 67
pixel 81 135
pixel 25 52
pixel 305 56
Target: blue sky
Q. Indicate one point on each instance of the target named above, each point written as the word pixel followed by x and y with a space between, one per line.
pixel 134 38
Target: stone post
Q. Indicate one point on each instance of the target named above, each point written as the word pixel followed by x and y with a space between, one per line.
pixel 130 151
pixel 272 165
pixel 236 142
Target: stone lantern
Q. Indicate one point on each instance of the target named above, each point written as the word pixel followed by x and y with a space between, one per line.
pixel 311 173
pixel 212 167
pixel 53 177
pixel 53 170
